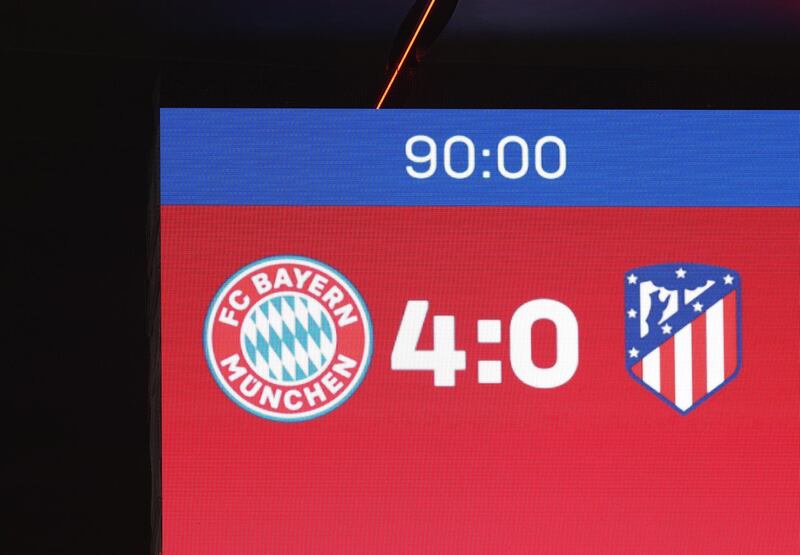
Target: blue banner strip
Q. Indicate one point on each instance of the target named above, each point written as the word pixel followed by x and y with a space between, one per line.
pixel 358 157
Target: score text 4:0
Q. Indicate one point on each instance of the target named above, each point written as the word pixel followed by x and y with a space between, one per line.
pixel 444 360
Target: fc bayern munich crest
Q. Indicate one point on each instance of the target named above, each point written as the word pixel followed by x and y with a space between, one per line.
pixel 288 338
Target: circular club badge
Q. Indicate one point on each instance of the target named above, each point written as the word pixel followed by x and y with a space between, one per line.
pixel 288 338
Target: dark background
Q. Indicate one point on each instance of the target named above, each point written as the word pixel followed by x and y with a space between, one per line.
pixel 83 81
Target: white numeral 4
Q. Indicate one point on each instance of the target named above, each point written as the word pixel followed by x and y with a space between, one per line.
pixel 444 360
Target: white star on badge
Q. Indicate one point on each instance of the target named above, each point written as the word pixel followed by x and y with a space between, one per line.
pixel 633 352
pixel 681 273
pixel 632 279
pixel 632 313
pixel 697 307
pixel 666 328
pixel 728 279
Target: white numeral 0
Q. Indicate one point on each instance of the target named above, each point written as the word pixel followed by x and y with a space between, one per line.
pixel 501 157
pixel 562 157
pixel 566 343
pixel 448 166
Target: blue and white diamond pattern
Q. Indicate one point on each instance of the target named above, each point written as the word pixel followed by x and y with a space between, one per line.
pixel 288 338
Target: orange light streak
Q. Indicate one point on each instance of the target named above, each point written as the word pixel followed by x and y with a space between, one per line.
pixel 405 54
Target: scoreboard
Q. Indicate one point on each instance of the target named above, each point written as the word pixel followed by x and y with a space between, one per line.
pixel 475 331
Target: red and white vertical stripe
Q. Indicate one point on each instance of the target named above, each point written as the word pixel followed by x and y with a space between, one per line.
pixel 697 359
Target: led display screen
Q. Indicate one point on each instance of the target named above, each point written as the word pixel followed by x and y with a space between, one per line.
pixel 471 331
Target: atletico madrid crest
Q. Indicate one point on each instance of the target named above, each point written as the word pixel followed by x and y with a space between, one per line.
pixel 288 338
pixel 683 330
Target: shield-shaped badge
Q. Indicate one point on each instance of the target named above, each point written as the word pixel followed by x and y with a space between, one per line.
pixel 683 330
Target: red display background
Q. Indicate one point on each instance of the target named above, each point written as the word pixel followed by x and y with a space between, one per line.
pixel 598 464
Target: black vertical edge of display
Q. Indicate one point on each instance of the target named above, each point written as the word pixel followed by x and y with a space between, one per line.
pixel 154 324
